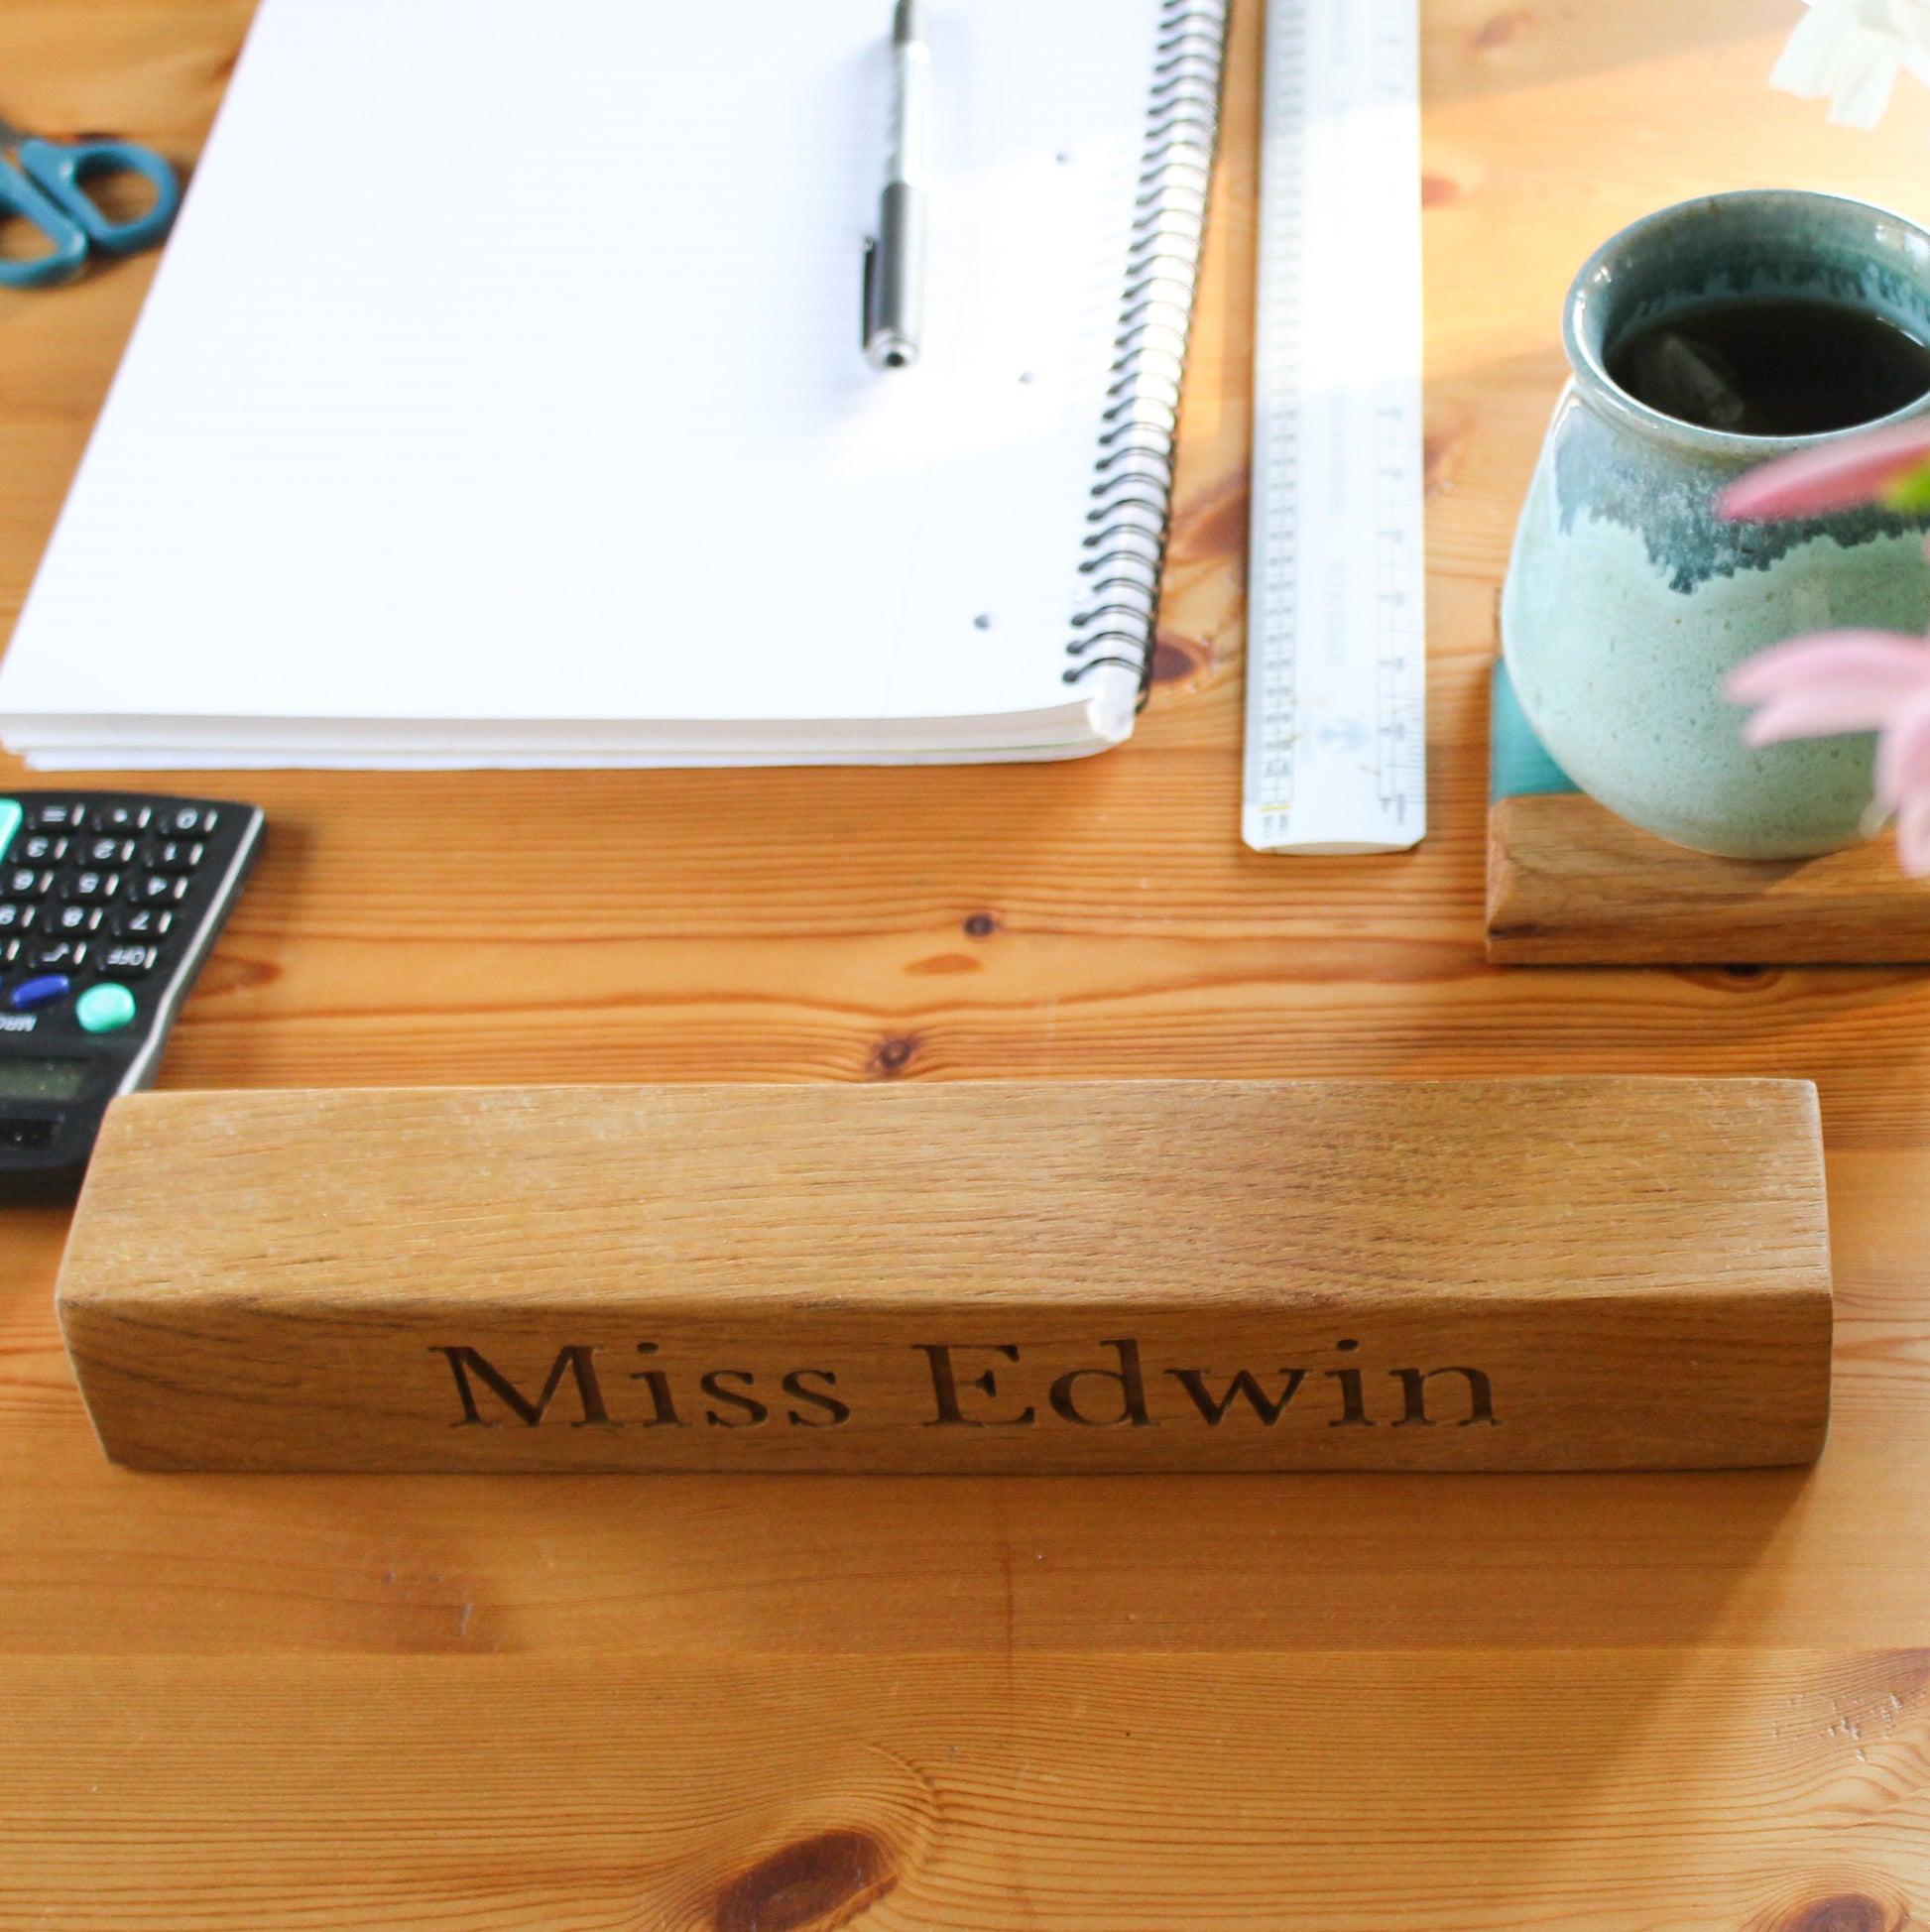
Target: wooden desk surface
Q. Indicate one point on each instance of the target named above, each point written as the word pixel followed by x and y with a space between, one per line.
pixel 1305 1705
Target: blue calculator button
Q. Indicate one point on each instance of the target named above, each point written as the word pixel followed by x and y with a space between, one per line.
pixel 104 1009
pixel 50 989
pixel 10 817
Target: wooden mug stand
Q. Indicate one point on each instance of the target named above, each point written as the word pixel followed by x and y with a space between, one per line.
pixel 1569 884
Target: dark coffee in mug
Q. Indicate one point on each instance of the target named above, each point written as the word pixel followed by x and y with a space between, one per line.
pixel 1773 366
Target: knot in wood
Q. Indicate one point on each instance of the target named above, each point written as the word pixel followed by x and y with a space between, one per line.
pixel 812 1886
pixel 1847 1911
pixel 890 1056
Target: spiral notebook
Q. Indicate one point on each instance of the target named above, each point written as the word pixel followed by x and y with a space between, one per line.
pixel 500 399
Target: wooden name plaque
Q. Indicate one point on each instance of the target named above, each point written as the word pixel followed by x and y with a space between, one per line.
pixel 1161 1275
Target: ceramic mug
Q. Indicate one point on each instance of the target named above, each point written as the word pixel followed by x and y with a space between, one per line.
pixel 1627 601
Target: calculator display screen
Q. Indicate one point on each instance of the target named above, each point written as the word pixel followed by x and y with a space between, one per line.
pixel 41 1079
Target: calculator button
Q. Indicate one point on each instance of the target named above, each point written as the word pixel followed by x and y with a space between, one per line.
pixel 176 855
pixel 131 962
pixel 29 995
pixel 90 885
pixel 144 922
pixel 78 918
pixel 24 882
pixel 59 956
pixel 189 821
pixel 159 887
pixel 127 818
pixel 107 851
pixel 104 1009
pixel 57 818
pixel 42 848
pixel 10 817
pixel 15 917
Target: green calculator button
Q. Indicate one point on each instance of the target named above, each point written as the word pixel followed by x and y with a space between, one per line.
pixel 10 817
pixel 104 1009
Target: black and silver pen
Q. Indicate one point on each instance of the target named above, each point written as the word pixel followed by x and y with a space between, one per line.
pixel 895 261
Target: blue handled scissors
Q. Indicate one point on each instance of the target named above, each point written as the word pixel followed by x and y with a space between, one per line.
pixel 41 184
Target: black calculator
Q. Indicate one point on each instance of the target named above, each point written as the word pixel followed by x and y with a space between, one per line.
pixel 109 901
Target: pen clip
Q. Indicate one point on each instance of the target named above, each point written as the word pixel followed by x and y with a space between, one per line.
pixel 871 283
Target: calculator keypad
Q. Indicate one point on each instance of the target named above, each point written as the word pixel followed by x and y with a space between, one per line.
pixel 127 961
pixel 107 902
pixel 98 892
pixel 43 990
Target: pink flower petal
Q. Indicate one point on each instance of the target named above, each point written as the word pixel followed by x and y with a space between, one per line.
pixel 1904 755
pixel 1838 476
pixel 1775 724
pixel 1899 659
pixel 1840 680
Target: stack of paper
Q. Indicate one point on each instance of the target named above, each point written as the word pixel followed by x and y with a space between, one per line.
pixel 500 401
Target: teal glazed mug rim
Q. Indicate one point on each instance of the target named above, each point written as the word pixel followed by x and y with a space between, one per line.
pixel 1589 316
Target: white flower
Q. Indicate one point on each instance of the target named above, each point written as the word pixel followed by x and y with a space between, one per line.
pixel 1853 50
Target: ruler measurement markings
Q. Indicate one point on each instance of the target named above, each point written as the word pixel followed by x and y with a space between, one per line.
pixel 1336 736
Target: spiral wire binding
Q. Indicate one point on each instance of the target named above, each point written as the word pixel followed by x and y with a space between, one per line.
pixel 1132 491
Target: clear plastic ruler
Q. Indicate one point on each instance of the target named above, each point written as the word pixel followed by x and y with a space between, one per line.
pixel 1336 643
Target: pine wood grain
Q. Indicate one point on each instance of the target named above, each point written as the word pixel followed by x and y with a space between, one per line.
pixel 1569 884
pixel 1593 1791
pixel 1619 1701
pixel 1596 1275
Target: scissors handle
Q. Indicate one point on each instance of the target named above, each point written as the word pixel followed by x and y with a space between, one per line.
pixel 59 169
pixel 19 196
